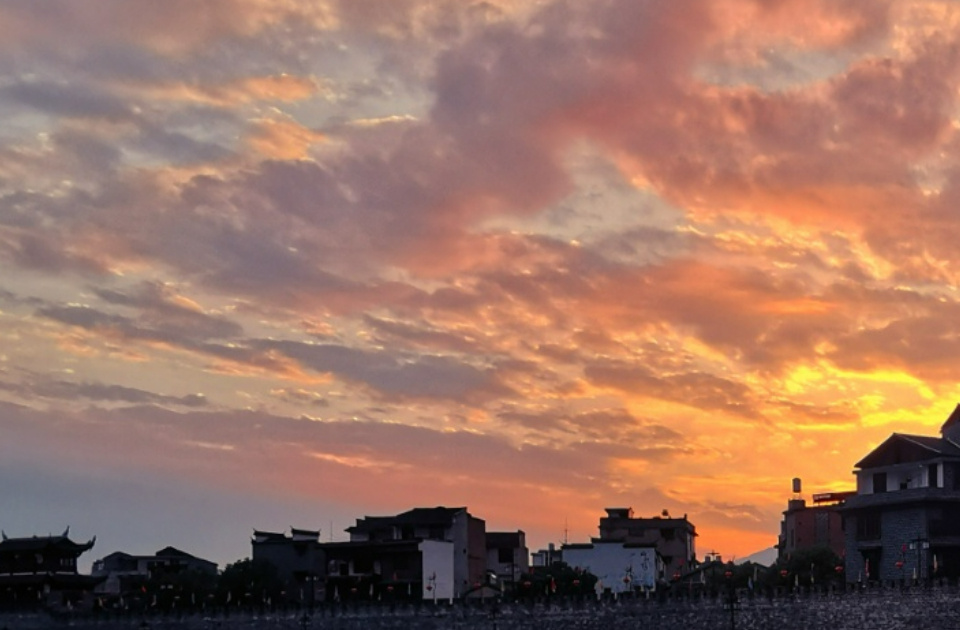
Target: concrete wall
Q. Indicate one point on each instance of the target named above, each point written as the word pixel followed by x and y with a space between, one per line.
pixel 612 562
pixel 439 574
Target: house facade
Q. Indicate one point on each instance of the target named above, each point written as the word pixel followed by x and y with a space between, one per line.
pixel 507 557
pixel 904 521
pixel 620 567
pixel 673 538
pixel 123 573
pixel 298 558
pixel 807 527
pixel 455 525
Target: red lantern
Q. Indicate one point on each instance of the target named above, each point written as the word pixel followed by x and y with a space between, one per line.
pixel 899 564
pixel 784 573
pixel 390 589
pixel 429 587
pixel 728 574
pixel 576 582
pixel 838 569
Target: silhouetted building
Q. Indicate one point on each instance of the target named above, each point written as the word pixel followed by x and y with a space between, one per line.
pixel 455 525
pixel 507 556
pixel 124 573
pixel 546 557
pixel 42 570
pixel 807 527
pixel 673 538
pixel 298 558
pixel 904 520
pixel 390 570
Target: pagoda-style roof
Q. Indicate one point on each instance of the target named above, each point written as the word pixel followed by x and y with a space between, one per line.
pixel 901 448
pixel 61 543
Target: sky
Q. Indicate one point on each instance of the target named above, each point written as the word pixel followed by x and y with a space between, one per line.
pixel 289 263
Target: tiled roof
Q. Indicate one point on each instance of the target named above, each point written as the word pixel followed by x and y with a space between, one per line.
pixel 37 543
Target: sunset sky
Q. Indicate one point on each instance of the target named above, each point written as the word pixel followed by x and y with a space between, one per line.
pixel 273 263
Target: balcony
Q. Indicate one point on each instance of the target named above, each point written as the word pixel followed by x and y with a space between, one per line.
pixel 901 497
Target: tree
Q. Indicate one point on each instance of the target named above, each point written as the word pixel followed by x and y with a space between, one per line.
pixel 249 582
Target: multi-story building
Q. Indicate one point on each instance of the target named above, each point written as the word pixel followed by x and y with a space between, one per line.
pixel 673 538
pixel 807 527
pixel 298 558
pixel 123 572
pixel 455 525
pixel 507 556
pixel 411 568
pixel 546 557
pixel 904 521
pixel 43 570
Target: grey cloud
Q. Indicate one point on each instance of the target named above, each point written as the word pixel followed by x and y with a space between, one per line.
pixel 112 393
pixel 65 99
pixel 157 308
pixel 699 389
pixel 419 376
pixel 157 320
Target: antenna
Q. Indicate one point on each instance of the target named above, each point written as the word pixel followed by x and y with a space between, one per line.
pixel 565 531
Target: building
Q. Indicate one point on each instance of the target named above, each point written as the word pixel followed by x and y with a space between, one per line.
pixel 389 570
pixel 546 557
pixel 807 527
pixel 455 525
pixel 42 570
pixel 298 558
pixel 673 538
pixel 507 557
pixel 620 567
pixel 124 573
pixel 904 521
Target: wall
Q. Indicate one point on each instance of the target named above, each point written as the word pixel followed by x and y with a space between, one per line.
pixel 874 609
pixel 610 562
pixel 439 575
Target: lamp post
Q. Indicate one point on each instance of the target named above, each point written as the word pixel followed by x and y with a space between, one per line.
pixel 920 544
pixel 732 603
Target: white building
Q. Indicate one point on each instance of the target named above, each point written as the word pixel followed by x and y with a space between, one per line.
pixel 619 567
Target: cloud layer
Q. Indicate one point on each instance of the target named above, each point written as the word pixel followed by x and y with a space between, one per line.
pixel 507 254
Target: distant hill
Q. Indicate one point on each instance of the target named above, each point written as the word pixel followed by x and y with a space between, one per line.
pixel 765 557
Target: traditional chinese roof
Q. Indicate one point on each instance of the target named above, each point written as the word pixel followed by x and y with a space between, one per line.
pixel 262 536
pixel 61 543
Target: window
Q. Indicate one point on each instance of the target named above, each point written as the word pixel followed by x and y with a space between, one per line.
pixel 868 526
pixel 933 477
pixel 667 533
pixel 504 555
pixel 879 482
